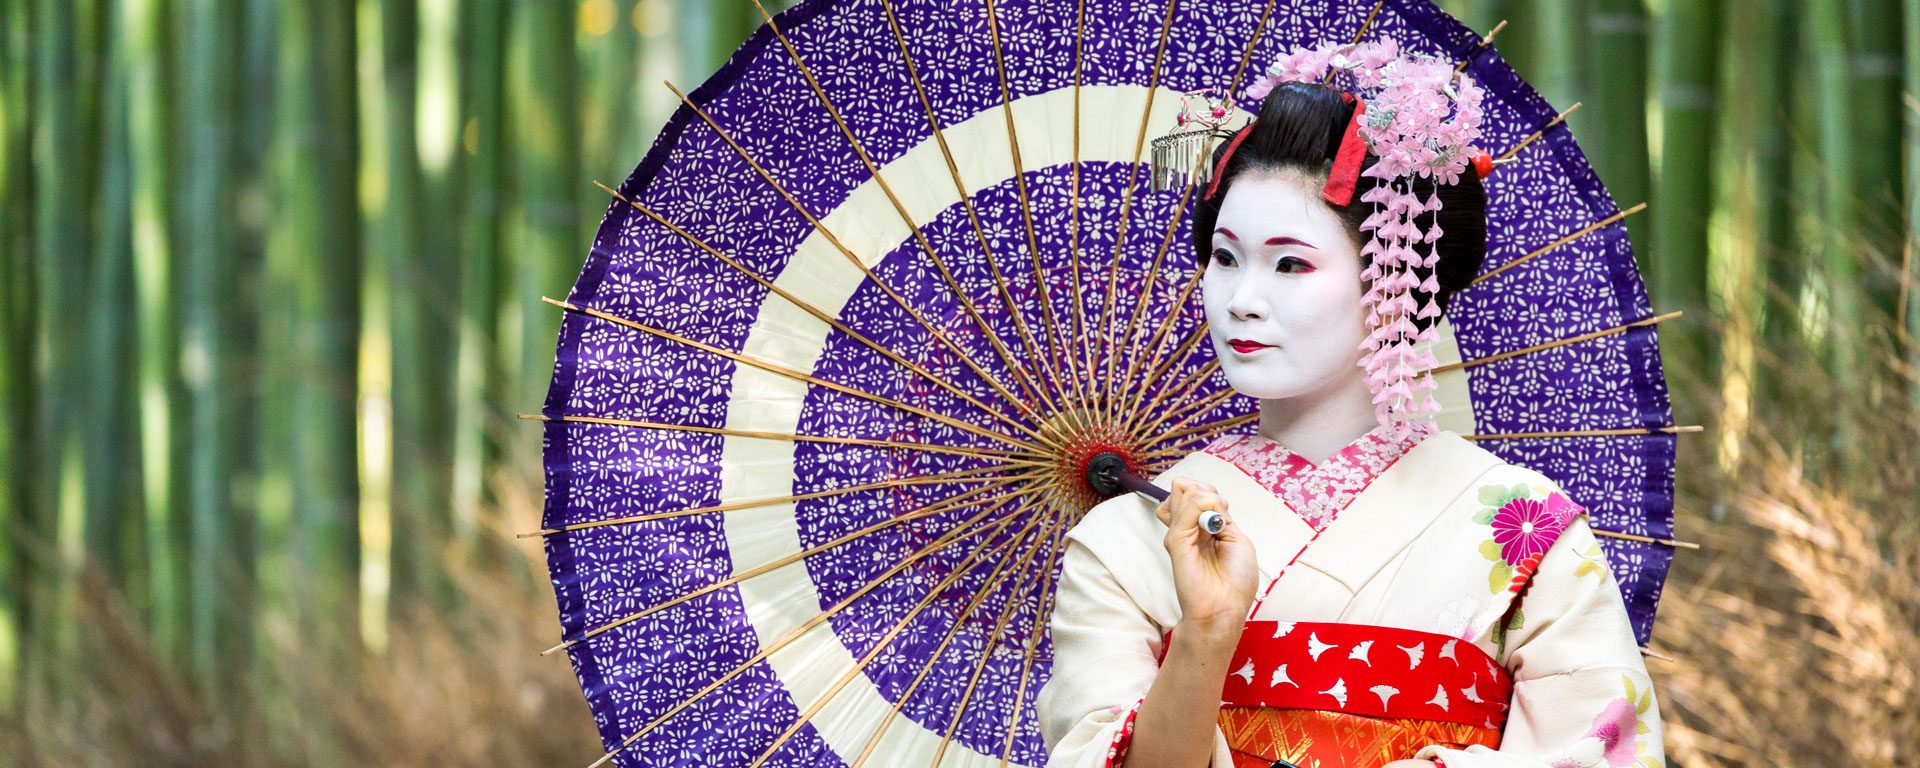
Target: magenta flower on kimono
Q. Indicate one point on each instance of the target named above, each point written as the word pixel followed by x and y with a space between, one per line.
pixel 1563 508
pixel 1616 727
pixel 1525 528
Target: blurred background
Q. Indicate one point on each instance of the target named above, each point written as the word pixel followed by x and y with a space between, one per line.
pixel 271 301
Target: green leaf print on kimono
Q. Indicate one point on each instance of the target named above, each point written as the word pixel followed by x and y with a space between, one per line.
pixel 1591 561
pixel 1502 629
pixel 1524 522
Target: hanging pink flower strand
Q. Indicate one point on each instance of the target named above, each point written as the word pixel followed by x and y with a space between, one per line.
pixel 1421 121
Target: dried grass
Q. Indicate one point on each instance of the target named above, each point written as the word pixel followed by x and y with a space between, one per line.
pixel 1796 630
pixel 454 687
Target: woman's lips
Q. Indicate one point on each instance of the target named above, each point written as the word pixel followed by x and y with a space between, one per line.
pixel 1244 347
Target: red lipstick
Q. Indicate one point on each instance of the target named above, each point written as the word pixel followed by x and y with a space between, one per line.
pixel 1244 346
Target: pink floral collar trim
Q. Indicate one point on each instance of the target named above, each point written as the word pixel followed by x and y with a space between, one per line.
pixel 1317 493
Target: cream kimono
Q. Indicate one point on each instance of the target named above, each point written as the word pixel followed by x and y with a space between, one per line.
pixel 1448 541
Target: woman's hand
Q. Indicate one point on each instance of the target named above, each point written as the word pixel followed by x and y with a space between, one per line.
pixel 1410 764
pixel 1214 575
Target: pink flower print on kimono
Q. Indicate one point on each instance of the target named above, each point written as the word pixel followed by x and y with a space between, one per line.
pixel 1523 528
pixel 1317 493
pixel 1614 728
pixel 1615 739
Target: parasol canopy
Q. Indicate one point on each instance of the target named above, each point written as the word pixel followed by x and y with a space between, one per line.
pixel 827 384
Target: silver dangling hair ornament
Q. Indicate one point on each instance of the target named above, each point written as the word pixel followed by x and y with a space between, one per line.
pixel 1184 153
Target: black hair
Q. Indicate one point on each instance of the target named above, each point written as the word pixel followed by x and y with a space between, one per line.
pixel 1299 127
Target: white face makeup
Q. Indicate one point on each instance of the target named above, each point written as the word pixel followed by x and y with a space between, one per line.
pixel 1282 290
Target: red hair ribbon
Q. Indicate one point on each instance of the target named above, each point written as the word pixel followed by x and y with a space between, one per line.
pixel 1346 162
pixel 1220 169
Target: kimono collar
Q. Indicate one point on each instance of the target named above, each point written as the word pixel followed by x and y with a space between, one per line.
pixel 1317 492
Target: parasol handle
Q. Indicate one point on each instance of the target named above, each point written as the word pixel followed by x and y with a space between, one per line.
pixel 1107 472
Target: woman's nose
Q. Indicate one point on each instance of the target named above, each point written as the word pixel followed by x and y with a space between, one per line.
pixel 1248 302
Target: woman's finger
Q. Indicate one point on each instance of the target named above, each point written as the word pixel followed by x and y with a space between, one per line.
pixel 1165 510
pixel 1200 501
pixel 1177 493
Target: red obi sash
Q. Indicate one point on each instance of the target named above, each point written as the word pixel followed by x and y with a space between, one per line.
pixel 1314 694
pixel 1365 670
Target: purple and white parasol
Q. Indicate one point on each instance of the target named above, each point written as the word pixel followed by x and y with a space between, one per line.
pixel 828 381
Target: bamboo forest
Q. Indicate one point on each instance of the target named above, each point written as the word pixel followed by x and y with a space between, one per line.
pixel 272 309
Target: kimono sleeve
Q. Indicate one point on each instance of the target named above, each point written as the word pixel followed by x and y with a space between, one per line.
pixel 1581 695
pixel 1105 654
pixel 1110 621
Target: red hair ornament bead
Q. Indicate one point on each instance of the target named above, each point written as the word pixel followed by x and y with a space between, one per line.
pixel 1482 163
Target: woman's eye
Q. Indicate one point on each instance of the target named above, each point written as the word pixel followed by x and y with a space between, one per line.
pixel 1223 257
pixel 1293 264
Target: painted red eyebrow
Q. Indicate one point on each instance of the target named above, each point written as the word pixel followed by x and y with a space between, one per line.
pixel 1228 233
pixel 1287 241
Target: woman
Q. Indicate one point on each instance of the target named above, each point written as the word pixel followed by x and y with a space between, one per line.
pixel 1381 594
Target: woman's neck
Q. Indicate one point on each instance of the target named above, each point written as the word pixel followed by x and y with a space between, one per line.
pixel 1317 424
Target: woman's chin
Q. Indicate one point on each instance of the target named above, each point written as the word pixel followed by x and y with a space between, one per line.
pixel 1265 388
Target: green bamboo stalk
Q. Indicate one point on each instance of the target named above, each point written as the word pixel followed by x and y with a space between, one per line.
pixel 1685 45
pixel 1826 23
pixel 435 286
pixel 374 388
pixel 283 584
pixel 327 450
pixel 732 24
pixel 1612 124
pixel 111 455
pixel 1808 306
pixel 316 251
pixel 612 140
pixel 477 367
pixel 399 247
pixel 207 305
pixel 16 339
pixel 1476 14
pixel 60 175
pixel 150 133
pixel 253 135
pixel 1909 301
pixel 1782 265
pixel 1874 115
pixel 1744 178
pixel 1556 47
pixel 546 76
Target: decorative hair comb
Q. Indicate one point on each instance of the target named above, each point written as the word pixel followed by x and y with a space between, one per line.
pixel 1181 154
